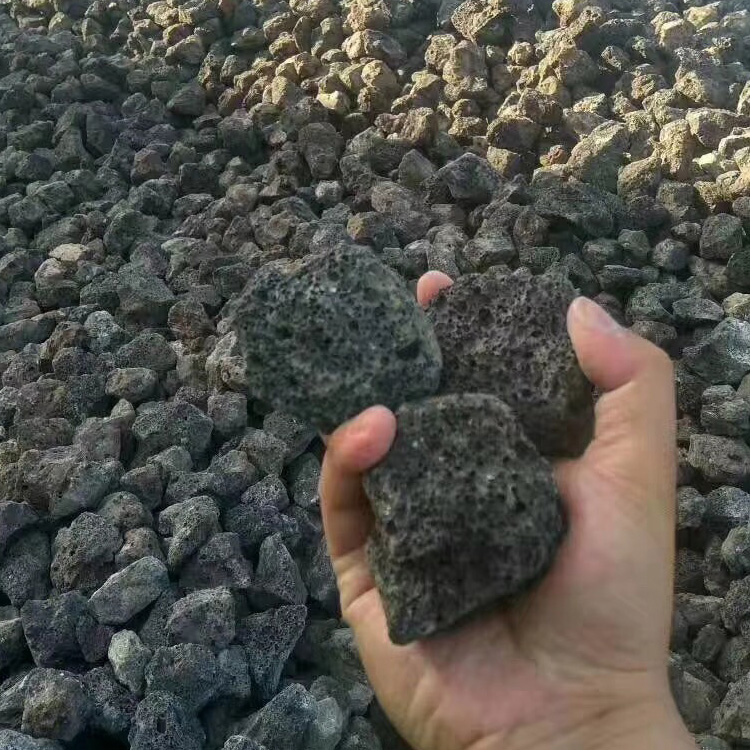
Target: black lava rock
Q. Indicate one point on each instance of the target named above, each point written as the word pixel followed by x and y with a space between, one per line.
pixel 162 721
pixel 505 334
pixel 332 334
pixel 466 513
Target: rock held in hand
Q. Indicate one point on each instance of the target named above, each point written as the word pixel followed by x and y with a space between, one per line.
pixel 505 334
pixel 332 334
pixel 466 513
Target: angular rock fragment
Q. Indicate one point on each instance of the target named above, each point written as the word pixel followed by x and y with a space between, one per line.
pixel 204 617
pixel 162 721
pixel 186 670
pixel 51 626
pixel 57 705
pixel 129 591
pixel 13 647
pixel 112 705
pixel 332 334
pixel 466 513
pixel 268 638
pixel 83 554
pixel 283 721
pixel 724 355
pixel 505 334
pixel 128 657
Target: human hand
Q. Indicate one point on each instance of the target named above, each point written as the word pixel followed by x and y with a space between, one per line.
pixel 580 661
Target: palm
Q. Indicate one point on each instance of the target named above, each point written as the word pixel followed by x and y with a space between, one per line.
pixel 598 623
pixel 478 685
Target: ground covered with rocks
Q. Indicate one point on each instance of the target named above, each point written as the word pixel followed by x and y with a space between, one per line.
pixel 163 577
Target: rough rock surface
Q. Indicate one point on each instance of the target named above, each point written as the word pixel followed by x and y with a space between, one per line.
pixel 155 155
pixel 505 334
pixel 332 334
pixel 466 513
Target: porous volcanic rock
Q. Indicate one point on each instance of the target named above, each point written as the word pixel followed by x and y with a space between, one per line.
pixel 505 334
pixel 329 335
pixel 466 513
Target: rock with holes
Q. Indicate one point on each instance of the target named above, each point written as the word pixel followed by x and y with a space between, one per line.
pixel 163 721
pixel 506 334
pixel 329 335
pixel 466 513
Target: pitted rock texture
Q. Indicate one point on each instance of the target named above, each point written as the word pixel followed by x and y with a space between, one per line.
pixel 505 334
pixel 154 156
pixel 466 513
pixel 332 334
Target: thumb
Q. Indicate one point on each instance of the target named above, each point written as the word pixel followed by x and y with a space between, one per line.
pixel 634 437
pixel 354 448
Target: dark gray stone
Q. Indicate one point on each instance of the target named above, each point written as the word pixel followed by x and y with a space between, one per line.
pixel 143 296
pixel 731 721
pixel 219 562
pixel 50 627
pixel 186 670
pixel 582 206
pixel 129 591
pixel 204 617
pixel 188 525
pixel 163 722
pixel 149 350
pixel 277 577
pixel 173 423
pixel 129 657
pixel 236 682
pixel 268 638
pixel 112 705
pixel 466 513
pixel 332 334
pixel 326 728
pixel 83 554
pixel 134 384
pixel 304 477
pixel 505 334
pixel 125 512
pixel 283 722
pixel 360 735
pixel 24 571
pixel 13 647
pixel 696 699
pixel 724 355
pixel 254 519
pixel 14 519
pixel 296 434
pixel 721 460
pixel 471 178
pixel 268 491
pixel 721 237
pixel 57 705
pixel 268 453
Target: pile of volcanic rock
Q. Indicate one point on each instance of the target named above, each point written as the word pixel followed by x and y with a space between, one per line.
pixel 164 581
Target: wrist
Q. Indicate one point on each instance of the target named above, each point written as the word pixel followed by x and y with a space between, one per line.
pixel 641 714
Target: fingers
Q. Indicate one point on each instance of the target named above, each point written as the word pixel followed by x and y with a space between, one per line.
pixel 636 374
pixel 430 284
pixel 353 448
pixel 634 441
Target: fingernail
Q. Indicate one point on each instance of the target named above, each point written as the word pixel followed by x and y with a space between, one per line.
pixel 587 313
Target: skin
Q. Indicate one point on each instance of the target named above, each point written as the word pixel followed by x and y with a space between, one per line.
pixel 581 661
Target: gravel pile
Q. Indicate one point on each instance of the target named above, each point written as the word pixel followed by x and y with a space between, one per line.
pixel 163 577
